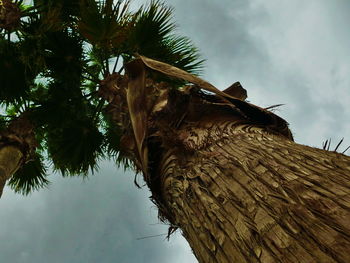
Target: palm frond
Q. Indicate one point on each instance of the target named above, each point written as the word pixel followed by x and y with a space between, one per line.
pixel 183 54
pixel 32 176
pixel 64 59
pixel 112 135
pixel 65 10
pixel 97 63
pixel 32 54
pixel 15 77
pixel 104 23
pixel 152 35
pixel 76 148
pixel 61 53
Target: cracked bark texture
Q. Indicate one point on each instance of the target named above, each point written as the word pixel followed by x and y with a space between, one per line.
pixel 242 194
pixel 228 174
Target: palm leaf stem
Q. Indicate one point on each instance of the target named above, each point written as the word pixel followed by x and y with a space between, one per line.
pixel 98 109
pixel 346 149
pixel 107 66
pixel 93 76
pixel 30 13
pixel 90 94
pixel 90 79
pixel 336 148
pixel 104 69
pixel 115 64
pixel 108 7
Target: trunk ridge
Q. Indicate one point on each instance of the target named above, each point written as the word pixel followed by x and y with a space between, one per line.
pixel 252 196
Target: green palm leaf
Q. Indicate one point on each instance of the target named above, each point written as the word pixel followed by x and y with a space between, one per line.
pixel 64 58
pixel 152 35
pixel 31 177
pixel 65 10
pixel 75 148
pixel 52 67
pixel 113 134
pixel 15 77
pixel 104 24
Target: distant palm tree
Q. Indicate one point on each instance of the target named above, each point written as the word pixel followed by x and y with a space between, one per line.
pixel 41 78
pixel 224 171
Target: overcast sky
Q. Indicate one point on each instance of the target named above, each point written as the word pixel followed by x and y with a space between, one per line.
pixel 291 52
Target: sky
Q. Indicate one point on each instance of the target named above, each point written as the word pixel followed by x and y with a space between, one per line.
pixel 291 52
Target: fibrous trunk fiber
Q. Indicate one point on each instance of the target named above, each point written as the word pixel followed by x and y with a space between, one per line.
pixel 241 194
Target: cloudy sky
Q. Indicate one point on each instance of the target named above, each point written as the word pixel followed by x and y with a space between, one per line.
pixel 291 52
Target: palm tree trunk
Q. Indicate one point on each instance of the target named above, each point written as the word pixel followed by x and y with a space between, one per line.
pixel 10 160
pixel 228 174
pixel 242 194
pixel 17 144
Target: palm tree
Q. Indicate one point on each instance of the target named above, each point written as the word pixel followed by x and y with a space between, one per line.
pixel 51 72
pixel 42 96
pixel 230 176
pixel 17 137
pixel 225 172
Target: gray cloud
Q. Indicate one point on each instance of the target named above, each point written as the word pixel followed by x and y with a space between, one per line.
pixel 282 52
pixel 97 220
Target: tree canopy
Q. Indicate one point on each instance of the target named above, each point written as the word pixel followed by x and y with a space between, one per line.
pixel 56 57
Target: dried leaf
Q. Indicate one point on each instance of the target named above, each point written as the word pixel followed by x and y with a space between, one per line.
pixel 181 74
pixel 252 112
pixel 236 90
pixel 136 99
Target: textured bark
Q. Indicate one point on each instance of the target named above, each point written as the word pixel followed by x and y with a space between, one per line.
pixel 10 15
pixel 242 194
pixel 17 144
pixel 228 174
pixel 11 158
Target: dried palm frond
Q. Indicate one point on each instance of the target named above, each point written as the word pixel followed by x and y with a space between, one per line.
pixel 30 177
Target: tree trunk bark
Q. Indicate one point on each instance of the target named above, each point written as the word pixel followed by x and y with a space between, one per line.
pixel 11 158
pixel 228 174
pixel 242 194
pixel 17 145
